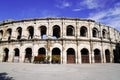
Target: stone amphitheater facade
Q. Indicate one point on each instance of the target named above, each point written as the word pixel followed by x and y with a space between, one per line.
pixel 73 40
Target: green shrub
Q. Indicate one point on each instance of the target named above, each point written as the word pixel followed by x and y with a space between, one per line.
pixel 39 59
pixel 55 59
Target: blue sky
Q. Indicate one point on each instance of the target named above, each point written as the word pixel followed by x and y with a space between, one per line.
pixel 104 11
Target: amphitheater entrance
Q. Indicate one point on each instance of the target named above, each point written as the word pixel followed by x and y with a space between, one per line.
pixel 9 31
pixel 85 55
pixel 31 32
pixel 56 58
pixel 97 56
pixel 107 56
pixel 70 30
pixel 70 55
pixel 16 55
pixel 6 56
pixel 42 52
pixel 83 31
pixel 56 31
pixel 19 30
pixel 28 55
pixel 43 30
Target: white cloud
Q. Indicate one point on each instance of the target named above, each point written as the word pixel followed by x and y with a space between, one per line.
pixel 97 16
pixel 66 4
pixel 77 9
pixel 116 10
pixel 110 17
pixel 90 3
pixel 62 4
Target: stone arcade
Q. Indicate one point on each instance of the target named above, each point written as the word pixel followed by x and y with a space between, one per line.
pixel 74 40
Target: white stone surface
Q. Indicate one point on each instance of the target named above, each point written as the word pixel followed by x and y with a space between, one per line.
pixel 64 42
pixel 26 71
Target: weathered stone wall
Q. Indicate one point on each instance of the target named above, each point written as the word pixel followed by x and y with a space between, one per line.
pixel 75 41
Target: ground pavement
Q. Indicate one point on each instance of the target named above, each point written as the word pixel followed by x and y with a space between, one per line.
pixel 25 71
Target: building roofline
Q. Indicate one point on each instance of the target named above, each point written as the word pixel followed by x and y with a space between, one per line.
pixel 49 18
pixel 10 21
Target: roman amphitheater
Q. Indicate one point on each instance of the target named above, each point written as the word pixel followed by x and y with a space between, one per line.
pixel 73 40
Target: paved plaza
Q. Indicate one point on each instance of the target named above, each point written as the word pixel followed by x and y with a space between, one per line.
pixel 25 71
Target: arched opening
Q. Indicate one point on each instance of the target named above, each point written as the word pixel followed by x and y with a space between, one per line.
pixel 42 52
pixel 1 34
pixel 70 30
pixel 70 55
pixel 19 31
pixel 16 55
pixel 9 32
pixel 107 56
pixel 56 58
pixel 56 31
pixel 6 55
pixel 28 55
pixel 85 55
pixel 83 31
pixel 95 32
pixel 97 56
pixel 104 33
pixel 43 30
pixel 31 32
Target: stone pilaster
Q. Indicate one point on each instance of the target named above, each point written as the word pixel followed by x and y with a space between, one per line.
pixel 24 35
pixel 14 35
pixel 79 57
pixel 1 56
pixel 37 32
pixel 92 57
pixel 103 57
pixel 10 55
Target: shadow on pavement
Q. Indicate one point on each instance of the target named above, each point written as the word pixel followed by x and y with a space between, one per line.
pixel 4 76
